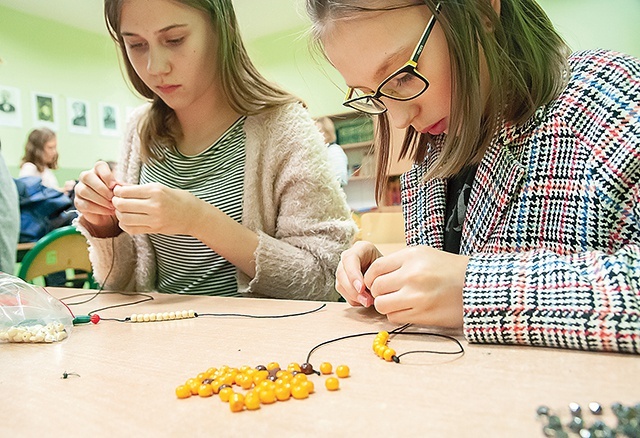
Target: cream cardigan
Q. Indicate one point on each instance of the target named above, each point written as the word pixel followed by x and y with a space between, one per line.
pixel 291 200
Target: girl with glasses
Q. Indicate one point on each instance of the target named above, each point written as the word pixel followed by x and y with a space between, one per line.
pixel 223 184
pixel 521 211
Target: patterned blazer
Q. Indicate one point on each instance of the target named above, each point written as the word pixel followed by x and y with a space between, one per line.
pixel 553 222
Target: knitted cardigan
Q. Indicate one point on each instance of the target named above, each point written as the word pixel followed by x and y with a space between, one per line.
pixel 291 200
pixel 553 222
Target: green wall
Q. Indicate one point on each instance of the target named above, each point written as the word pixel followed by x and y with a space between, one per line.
pixel 585 24
pixel 46 57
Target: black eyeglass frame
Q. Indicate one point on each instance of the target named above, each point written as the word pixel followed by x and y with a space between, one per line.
pixel 409 67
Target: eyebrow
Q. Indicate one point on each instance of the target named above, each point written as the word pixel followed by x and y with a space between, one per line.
pixel 164 29
pixel 384 67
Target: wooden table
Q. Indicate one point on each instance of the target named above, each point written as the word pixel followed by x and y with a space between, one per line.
pixel 128 374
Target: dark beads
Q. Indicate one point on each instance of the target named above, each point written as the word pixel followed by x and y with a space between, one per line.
pixel 306 368
pixel 543 410
pixel 261 368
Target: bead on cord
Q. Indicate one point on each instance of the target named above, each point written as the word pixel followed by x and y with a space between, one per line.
pixel 161 316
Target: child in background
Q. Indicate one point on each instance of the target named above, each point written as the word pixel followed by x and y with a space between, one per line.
pixel 41 158
pixel 222 186
pixel 337 158
pixel 522 208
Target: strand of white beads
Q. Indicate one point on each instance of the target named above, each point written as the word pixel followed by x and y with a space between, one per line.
pixel 166 316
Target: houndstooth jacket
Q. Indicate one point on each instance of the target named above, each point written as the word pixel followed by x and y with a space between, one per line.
pixel 553 223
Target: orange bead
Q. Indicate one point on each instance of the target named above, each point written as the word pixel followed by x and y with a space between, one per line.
pixel 332 384
pixel 200 377
pixel 293 366
pixel 236 402
pixel 273 365
pixel 183 391
pixel 326 368
pixel 342 371
pixel 193 384
pixel 205 390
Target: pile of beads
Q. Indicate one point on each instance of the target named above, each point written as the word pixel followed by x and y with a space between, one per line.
pixel 52 332
pixel 264 385
pixel 166 316
pixel 381 349
pixel 628 422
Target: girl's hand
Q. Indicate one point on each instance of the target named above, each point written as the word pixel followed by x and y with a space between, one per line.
pixel 349 279
pixel 419 285
pixel 93 195
pixel 155 208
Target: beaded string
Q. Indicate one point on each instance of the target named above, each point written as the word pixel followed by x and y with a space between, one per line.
pixel 397 331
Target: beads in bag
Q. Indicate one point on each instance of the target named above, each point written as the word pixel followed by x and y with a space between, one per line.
pixel 52 332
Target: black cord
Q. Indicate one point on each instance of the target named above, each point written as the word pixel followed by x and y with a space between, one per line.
pixel 262 316
pixel 396 331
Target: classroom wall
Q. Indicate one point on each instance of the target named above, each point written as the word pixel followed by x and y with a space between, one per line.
pixel 46 57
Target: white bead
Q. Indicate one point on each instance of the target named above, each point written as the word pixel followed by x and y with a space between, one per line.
pixel 165 316
pixel 25 336
pixel 49 338
pixel 145 317
pixel 172 315
pixel 140 318
pixel 12 332
pixel 152 317
pixel 185 314
pixel 61 335
pixel 4 336
pixel 192 314
pixel 133 317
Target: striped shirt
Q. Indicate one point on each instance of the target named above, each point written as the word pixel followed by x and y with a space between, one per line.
pixel 185 264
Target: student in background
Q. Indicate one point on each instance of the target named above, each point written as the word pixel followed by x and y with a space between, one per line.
pixel 522 209
pixel 337 158
pixel 41 158
pixel 9 219
pixel 225 187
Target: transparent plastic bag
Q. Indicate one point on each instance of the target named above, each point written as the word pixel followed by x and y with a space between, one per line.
pixel 29 314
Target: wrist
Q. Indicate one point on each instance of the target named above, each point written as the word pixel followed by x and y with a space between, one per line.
pixel 109 229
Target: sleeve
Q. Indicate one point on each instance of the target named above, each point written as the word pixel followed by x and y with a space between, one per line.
pixel 586 301
pixel 28 169
pixel 115 259
pixel 313 222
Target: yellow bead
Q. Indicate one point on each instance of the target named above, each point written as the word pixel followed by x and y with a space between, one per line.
pixel 310 386
pixel 380 350
pixel 260 376
pixel 193 384
pixel 267 396
pixel 388 354
pixel 183 391
pixel 326 368
pixel 252 401
pixel 293 366
pixel 236 402
pixel 342 371
pixel 225 393
pixel 332 384
pixel 299 392
pixel 205 390
pixel 283 392
pixel 273 365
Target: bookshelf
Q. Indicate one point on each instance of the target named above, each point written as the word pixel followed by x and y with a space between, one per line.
pixel 355 134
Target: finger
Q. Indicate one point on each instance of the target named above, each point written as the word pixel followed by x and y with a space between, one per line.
pixel 345 287
pixel 92 188
pixel 393 303
pixel 137 191
pixel 87 207
pixel 103 171
pixel 131 205
pixel 383 266
pixel 131 220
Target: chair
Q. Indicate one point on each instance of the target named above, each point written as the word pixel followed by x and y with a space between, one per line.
pixel 61 249
pixel 382 227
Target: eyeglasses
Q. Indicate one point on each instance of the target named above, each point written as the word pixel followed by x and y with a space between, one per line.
pixel 406 83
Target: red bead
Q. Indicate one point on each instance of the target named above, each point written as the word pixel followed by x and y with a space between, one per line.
pixel 95 318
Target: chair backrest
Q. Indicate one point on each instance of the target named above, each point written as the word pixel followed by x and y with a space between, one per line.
pixel 61 249
pixel 382 227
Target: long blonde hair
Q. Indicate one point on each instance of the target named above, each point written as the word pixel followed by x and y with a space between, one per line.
pixel 526 60
pixel 246 90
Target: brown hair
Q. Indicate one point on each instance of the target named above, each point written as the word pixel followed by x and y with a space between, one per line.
pixel 526 60
pixel 34 149
pixel 246 90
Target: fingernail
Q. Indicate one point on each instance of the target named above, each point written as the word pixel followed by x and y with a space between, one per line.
pixel 358 286
pixel 363 300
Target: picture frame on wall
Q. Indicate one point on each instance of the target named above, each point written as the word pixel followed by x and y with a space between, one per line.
pixel 44 110
pixel 78 121
pixel 109 119
pixel 10 108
